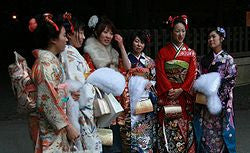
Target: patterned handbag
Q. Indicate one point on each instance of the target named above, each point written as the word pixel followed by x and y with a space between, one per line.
pixel 143 106
pixel 106 136
pixel 101 106
pixel 22 85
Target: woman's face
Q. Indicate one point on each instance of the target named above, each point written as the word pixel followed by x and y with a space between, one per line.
pixel 178 33
pixel 60 43
pixel 138 45
pixel 214 40
pixel 77 38
pixel 106 36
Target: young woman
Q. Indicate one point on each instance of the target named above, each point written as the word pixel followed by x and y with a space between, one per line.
pixel 175 74
pixel 143 133
pixel 216 133
pixel 76 68
pixel 48 75
pixel 100 53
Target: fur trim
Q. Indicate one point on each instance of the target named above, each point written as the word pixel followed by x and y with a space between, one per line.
pixel 101 56
pixel 108 80
pixel 209 84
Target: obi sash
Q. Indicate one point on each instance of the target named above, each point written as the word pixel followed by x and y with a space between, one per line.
pixel 176 70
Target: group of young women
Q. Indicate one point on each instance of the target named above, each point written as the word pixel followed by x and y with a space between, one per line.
pixel 173 73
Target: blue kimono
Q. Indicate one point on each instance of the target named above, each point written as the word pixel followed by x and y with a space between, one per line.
pixel 216 133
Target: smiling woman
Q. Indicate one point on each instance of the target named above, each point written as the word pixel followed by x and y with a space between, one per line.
pixel 175 74
pixel 99 53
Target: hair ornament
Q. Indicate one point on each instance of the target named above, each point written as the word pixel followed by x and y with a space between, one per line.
pixel 222 31
pixel 93 21
pixel 48 18
pixel 171 20
pixel 67 16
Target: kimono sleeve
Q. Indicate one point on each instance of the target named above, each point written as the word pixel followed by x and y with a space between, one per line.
pixel 191 74
pixel 74 68
pixel 163 85
pixel 48 100
pixel 229 80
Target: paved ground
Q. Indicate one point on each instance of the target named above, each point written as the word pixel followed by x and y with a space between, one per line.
pixel 14 137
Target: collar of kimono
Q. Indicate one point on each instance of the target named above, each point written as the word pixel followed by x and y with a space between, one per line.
pixel 215 55
pixel 177 49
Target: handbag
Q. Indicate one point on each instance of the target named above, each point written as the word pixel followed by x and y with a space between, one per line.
pixel 101 106
pixel 143 106
pixel 200 98
pixel 173 111
pixel 115 110
pixel 106 136
pixel 23 86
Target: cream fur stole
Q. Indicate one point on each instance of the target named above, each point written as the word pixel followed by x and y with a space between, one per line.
pixel 101 56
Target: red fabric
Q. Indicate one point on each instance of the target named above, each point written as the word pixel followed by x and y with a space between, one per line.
pixel 90 62
pixel 164 85
pixel 166 54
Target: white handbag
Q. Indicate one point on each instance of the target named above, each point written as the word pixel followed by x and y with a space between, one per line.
pixel 115 110
pixel 101 107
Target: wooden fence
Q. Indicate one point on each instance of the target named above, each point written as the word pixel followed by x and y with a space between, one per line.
pixel 237 41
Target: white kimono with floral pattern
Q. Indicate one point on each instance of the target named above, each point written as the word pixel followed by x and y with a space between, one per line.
pixel 76 68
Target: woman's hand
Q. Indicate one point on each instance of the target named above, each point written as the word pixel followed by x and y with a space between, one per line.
pixel 75 95
pixel 72 134
pixel 119 40
pixel 148 85
pixel 170 94
pixel 175 93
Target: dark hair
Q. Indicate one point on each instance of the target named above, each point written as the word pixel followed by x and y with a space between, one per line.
pixel 142 35
pixel 76 23
pixel 46 31
pixel 220 33
pixel 176 21
pixel 102 24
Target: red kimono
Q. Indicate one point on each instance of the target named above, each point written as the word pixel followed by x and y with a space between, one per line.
pixel 175 68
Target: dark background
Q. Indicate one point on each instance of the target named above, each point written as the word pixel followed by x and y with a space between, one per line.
pixel 126 14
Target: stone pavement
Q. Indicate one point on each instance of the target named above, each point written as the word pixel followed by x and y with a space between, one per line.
pixel 14 137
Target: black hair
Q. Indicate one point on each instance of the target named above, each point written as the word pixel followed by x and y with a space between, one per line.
pixel 176 21
pixel 102 23
pixel 221 34
pixel 77 23
pixel 142 35
pixel 46 31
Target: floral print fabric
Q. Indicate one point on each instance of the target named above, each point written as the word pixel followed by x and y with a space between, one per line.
pixel 51 103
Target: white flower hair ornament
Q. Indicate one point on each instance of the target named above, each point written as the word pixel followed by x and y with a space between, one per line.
pixel 93 21
pixel 222 31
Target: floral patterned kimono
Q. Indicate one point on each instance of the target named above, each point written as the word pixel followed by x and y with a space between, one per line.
pixel 175 68
pixel 143 132
pixel 99 56
pixel 51 103
pixel 76 68
pixel 216 133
